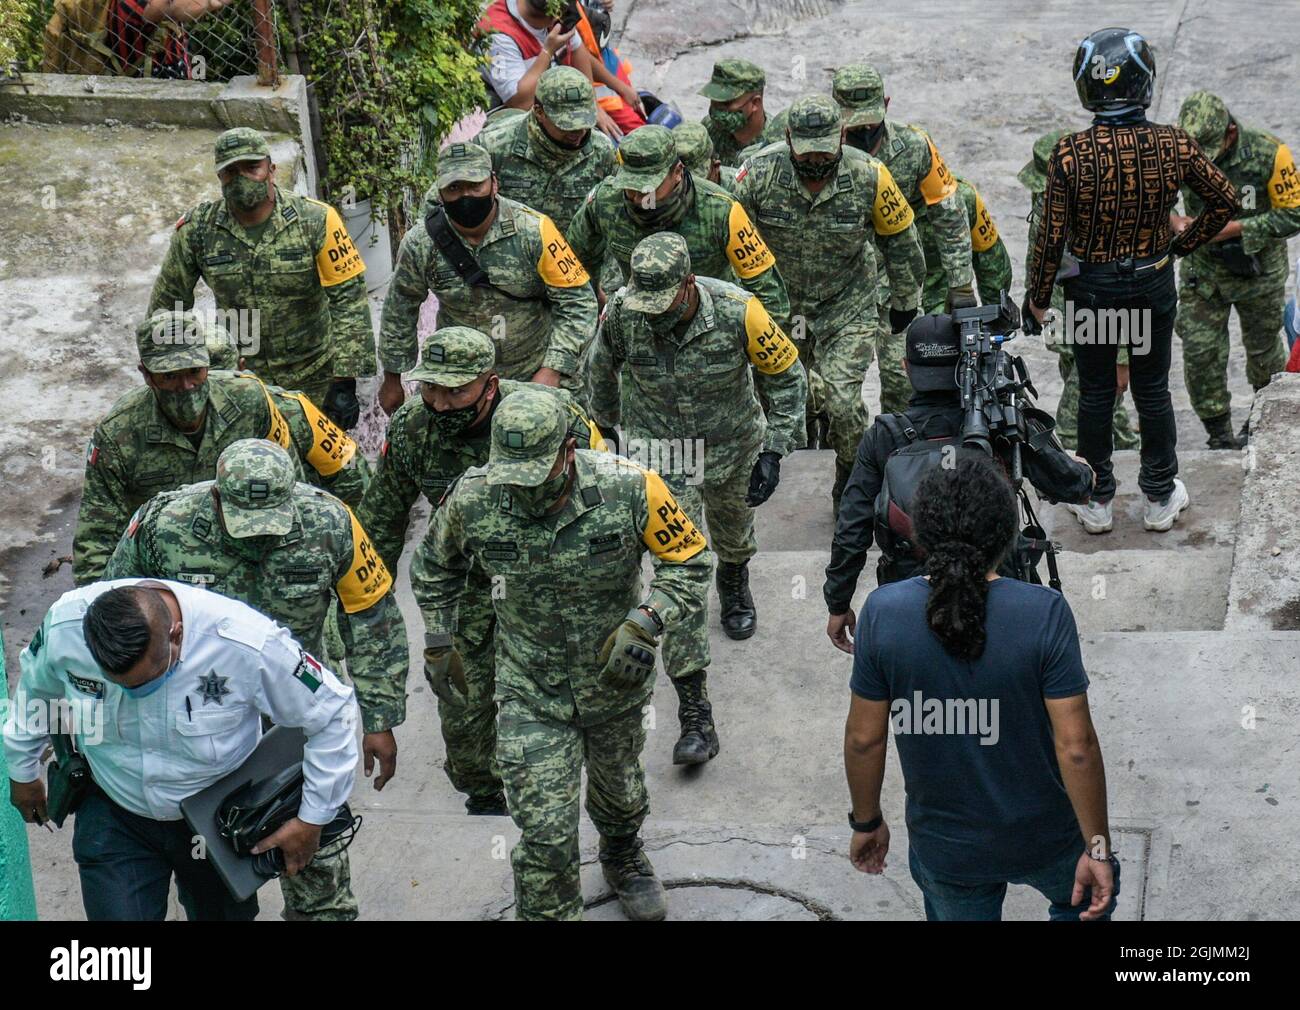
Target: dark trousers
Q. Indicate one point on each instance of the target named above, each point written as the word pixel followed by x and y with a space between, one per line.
pixel 950 901
pixel 1148 375
pixel 126 863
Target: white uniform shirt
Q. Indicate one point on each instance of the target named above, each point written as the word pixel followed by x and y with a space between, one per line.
pixel 149 753
pixel 508 65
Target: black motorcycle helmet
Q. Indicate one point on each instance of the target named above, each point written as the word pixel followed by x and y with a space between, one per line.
pixel 1113 69
pixel 599 20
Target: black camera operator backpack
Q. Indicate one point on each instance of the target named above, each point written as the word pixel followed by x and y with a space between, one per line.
pixel 914 457
pixel 905 469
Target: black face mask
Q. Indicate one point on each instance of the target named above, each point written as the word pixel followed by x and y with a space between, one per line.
pixel 470 211
pixel 864 138
pixel 574 145
pixel 458 420
pixel 816 170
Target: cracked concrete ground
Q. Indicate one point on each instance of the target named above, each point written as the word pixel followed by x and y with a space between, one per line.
pixel 1204 807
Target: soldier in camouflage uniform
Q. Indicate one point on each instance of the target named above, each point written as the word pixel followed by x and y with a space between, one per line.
pixel 695 148
pixel 671 365
pixel 930 190
pixel 1243 267
pixel 296 554
pixel 828 211
pixel 563 531
pixel 989 257
pixel 170 432
pixel 550 158
pixel 1034 178
pixel 525 286
pixel 653 192
pixel 736 119
pixel 286 265
pixel 431 441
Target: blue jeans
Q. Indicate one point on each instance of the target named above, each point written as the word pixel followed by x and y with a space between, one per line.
pixel 947 900
pixel 126 863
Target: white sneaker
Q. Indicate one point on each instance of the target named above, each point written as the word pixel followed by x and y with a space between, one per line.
pixel 1094 517
pixel 1160 518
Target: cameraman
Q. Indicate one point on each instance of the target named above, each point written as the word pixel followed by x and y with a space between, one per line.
pixel 933 412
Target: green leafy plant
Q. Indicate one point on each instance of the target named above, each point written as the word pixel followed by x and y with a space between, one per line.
pixel 389 79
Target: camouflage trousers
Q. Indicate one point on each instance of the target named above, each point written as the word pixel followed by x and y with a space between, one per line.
pixel 541 763
pixel 837 361
pixel 323 890
pixel 1067 410
pixel 468 726
pixel 718 505
pixel 1204 303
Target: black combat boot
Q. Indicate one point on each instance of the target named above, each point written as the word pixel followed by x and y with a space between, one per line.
pixel 487 806
pixel 739 618
pixel 1220 431
pixel 699 740
pixel 628 871
pixel 837 490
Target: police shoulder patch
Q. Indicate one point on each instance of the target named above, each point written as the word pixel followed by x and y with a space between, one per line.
pixel 183 220
pixel 308 672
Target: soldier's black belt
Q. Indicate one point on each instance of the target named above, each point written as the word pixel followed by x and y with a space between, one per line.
pixel 1127 266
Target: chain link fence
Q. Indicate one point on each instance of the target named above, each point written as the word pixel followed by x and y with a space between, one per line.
pixel 202 40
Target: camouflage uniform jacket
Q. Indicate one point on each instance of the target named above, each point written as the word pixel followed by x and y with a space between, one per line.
pixel 135 453
pixel 416 459
pixel 730 153
pixel 304 277
pixel 722 240
pixel 540 307
pixel 548 181
pixel 567 580
pixel 989 254
pixel 700 385
pixel 828 241
pixel 1263 172
pixel 931 190
pixel 325 560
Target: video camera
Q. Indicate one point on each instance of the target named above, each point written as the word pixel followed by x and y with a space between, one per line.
pixel 992 382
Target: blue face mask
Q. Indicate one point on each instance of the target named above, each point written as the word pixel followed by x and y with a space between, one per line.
pixel 144 690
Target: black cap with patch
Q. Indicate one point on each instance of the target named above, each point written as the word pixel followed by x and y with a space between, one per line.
pixel 933 350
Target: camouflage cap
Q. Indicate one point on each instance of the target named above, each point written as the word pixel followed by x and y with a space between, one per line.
pixel 453 356
pixel 658 265
pixel 223 354
pixel 243 143
pixel 814 124
pixel 1034 175
pixel 1205 117
pixel 859 90
pixel 255 480
pixel 733 78
pixel 567 98
pixel 694 147
pixel 528 429
pixel 645 157
pixel 171 341
pixel 463 163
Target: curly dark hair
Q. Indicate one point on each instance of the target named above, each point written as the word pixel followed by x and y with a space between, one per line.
pixel 965 519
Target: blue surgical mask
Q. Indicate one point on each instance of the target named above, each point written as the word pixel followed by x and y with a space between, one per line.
pixel 144 690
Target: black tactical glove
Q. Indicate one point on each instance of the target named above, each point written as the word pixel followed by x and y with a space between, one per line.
pixel 899 318
pixel 962 297
pixel 610 435
pixel 764 478
pixel 627 658
pixel 1028 324
pixel 341 404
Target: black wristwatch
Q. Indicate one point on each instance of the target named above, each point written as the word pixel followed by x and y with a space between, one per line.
pixel 866 826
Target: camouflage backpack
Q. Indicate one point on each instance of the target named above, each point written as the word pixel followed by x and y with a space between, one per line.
pixel 76 41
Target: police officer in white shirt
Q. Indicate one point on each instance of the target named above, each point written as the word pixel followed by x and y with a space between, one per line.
pixel 171 682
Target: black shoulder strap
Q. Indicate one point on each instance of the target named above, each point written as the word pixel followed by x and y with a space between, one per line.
pixel 450 245
pixel 900 428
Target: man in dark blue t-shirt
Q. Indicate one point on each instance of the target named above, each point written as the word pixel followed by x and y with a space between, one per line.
pixel 1002 769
